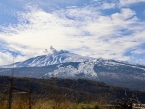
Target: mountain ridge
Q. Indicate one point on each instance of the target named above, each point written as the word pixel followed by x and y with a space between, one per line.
pixel 58 57
pixel 78 90
pixel 62 64
pixel 50 59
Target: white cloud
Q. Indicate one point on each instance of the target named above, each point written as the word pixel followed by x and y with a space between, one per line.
pixel 144 12
pixel 7 58
pixel 127 13
pixel 111 25
pixel 108 6
pixel 105 4
pixel 138 51
pixel 83 30
pixel 130 2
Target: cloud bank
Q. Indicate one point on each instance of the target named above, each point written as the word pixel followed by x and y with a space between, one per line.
pixel 110 30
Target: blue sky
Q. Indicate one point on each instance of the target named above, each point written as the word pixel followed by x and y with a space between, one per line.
pixel 110 29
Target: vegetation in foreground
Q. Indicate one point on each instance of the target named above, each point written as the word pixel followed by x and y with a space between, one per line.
pixel 50 104
pixel 57 93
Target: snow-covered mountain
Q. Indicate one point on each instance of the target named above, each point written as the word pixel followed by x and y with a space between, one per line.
pixel 56 57
pixel 63 64
pixel 74 70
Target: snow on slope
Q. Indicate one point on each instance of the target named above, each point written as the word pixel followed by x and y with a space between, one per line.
pixel 56 57
pixel 83 70
pixel 88 67
pixel 63 64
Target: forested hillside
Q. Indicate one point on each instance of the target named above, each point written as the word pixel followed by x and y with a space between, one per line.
pixel 79 90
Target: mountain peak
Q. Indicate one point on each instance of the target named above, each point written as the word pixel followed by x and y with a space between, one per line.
pixel 54 51
pixel 53 57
